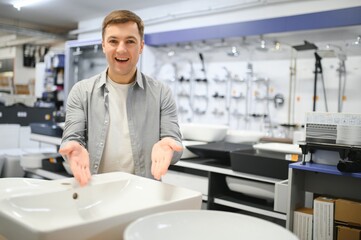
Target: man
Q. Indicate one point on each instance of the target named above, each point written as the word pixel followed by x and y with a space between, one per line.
pixel 121 120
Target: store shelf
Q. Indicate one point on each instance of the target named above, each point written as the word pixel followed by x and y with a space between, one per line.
pixel 47 174
pixel 322 168
pixel 219 196
pixel 319 179
pixel 45 139
pixel 249 206
pixel 210 165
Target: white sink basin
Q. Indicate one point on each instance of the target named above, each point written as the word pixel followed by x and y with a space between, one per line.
pixel 204 225
pixel 278 147
pixel 203 132
pixel 186 153
pixel 241 136
pixel 60 209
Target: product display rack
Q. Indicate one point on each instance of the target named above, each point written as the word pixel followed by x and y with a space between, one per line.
pixel 219 196
pixel 319 179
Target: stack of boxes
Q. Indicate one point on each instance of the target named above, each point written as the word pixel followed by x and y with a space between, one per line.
pixel 330 219
pixel 348 219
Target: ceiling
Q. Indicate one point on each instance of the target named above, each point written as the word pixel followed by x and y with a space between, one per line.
pixel 52 20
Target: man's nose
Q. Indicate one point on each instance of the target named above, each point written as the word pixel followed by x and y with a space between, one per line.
pixel 121 47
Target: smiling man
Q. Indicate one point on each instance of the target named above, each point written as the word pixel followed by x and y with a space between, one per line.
pixel 121 119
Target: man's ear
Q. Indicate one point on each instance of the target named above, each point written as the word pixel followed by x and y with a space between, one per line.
pixel 103 46
pixel 141 47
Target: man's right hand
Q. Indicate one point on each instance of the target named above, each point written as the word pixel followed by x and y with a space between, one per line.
pixel 78 158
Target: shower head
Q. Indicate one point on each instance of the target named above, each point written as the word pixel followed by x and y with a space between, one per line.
pixel 306 46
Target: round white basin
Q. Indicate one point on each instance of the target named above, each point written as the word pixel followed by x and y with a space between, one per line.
pixel 204 224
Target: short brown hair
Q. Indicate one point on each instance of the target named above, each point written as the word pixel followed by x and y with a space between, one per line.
pixel 123 16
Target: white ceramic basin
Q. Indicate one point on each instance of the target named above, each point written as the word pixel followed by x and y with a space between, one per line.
pixel 204 224
pixel 186 153
pixel 60 209
pixel 278 147
pixel 241 136
pixel 203 132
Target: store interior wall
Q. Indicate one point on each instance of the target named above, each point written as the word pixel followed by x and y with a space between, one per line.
pixel 278 73
pixel 277 69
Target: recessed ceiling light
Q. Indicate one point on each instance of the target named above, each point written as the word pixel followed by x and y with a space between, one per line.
pixel 23 3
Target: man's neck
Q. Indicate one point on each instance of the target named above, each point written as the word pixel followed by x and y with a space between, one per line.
pixel 126 79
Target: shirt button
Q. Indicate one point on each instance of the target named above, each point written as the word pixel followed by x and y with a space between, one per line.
pixel 101 144
pixel 96 166
pixel 106 122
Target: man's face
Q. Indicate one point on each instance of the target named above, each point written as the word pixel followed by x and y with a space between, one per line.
pixel 122 46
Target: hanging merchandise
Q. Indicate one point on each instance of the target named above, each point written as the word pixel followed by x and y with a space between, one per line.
pixel 292 87
pixel 202 109
pixel 342 78
pixel 334 51
pixel 318 70
pixel 291 105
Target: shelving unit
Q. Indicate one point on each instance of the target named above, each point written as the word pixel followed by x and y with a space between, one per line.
pixel 219 194
pixel 209 177
pixel 319 179
pixel 54 81
pixel 41 172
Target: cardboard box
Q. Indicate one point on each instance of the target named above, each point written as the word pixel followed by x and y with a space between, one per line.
pixel 303 223
pixel 348 233
pixel 323 218
pixel 348 212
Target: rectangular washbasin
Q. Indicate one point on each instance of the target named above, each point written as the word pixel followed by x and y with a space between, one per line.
pixel 60 209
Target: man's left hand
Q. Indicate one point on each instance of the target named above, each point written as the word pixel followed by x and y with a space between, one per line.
pixel 162 154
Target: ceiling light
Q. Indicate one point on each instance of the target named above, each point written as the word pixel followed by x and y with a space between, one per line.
pixel 171 53
pixel 233 52
pixel 277 45
pixel 358 41
pixel 262 47
pixel 23 3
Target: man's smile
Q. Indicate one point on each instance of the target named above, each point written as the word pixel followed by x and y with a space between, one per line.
pixel 121 59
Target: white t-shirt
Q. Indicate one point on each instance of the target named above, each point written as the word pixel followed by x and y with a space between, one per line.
pixel 117 154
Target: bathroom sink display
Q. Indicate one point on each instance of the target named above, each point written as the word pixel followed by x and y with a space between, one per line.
pixel 203 132
pixel 61 209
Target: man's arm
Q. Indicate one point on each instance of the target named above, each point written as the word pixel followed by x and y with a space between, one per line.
pixel 74 137
pixel 169 149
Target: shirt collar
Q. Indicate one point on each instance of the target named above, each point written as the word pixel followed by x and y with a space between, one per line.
pixel 138 78
pixel 103 78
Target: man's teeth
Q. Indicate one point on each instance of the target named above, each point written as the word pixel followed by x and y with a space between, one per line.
pixel 121 59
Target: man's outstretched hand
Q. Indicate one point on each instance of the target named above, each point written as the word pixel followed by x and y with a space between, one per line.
pixel 162 154
pixel 78 158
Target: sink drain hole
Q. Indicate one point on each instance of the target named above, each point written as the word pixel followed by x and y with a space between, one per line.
pixel 75 196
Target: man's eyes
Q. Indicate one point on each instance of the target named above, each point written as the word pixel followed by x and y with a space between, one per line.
pixel 130 41
pixel 113 41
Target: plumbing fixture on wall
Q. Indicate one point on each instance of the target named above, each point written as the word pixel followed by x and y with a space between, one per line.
pixel 336 51
pixel 233 52
pixel 293 76
pixel 319 71
pixel 262 45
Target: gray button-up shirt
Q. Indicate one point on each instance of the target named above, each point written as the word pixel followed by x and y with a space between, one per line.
pixel 152 115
